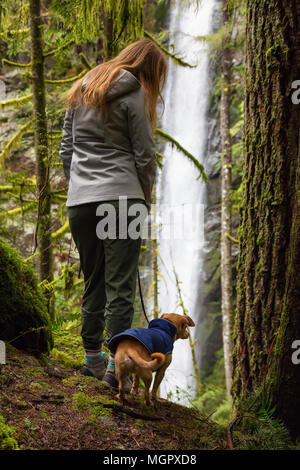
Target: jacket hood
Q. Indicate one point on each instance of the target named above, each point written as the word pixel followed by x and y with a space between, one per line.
pixel 125 83
pixel 163 324
pixel 158 337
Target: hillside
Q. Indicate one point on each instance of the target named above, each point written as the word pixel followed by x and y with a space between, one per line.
pixel 51 407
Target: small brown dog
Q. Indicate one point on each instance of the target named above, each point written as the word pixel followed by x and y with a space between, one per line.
pixel 132 356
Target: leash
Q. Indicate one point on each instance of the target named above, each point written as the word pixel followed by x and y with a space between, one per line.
pixel 140 291
pixel 141 296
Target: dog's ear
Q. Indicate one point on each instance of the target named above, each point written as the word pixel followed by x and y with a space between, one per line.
pixel 191 322
pixel 182 326
pixel 188 320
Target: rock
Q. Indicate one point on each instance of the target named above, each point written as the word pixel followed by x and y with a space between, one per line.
pixel 24 320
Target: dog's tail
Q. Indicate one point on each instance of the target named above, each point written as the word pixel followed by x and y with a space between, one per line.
pixel 157 360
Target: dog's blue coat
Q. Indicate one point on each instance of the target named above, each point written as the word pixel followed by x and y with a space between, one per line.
pixel 157 338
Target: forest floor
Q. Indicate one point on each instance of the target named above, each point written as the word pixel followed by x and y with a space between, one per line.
pixel 50 406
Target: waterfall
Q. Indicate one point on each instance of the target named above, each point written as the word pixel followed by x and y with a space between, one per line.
pixel 180 192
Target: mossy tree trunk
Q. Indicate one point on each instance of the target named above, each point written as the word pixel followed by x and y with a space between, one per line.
pixel 108 43
pixel 226 262
pixel 41 148
pixel 268 285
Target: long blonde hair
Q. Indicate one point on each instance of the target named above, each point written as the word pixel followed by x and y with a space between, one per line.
pixel 143 59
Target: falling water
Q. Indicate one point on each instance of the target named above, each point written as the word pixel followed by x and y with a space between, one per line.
pixel 179 188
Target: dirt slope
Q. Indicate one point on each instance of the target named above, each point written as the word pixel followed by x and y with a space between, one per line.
pixel 53 407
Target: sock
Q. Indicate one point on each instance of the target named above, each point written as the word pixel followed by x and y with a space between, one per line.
pixel 111 363
pixel 90 355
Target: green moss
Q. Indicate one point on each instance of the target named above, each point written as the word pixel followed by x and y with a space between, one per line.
pixel 259 238
pixel 35 372
pixel 140 423
pixel 66 359
pixel 68 341
pixel 72 381
pixel 113 402
pixel 37 386
pixel 83 402
pixel 82 382
pixel 98 411
pixel 22 404
pixel 24 320
pixel 7 436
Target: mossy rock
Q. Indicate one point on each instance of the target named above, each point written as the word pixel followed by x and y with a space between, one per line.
pixel 7 436
pixel 24 319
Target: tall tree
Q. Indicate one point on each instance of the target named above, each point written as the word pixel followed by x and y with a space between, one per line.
pixel 268 285
pixel 41 144
pixel 226 262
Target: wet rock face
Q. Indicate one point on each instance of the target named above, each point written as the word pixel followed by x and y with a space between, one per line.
pixel 24 318
pixel 209 328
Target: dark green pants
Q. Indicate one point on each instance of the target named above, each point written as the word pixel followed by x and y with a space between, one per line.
pixel 109 268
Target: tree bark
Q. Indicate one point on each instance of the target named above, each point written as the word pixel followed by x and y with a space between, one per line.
pixel 268 285
pixel 41 148
pixel 226 261
pixel 108 36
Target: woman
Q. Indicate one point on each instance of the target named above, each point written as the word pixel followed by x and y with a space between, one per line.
pixel 108 156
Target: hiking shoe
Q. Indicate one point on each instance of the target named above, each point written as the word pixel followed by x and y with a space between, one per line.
pixel 111 380
pixel 95 367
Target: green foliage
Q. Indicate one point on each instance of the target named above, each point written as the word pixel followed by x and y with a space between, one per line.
pixel 84 19
pixel 68 349
pixel 215 403
pixel 258 428
pixel 191 157
pixel 14 17
pixel 223 412
pixel 160 11
pixel 213 400
pixel 16 101
pixel 29 425
pixel 18 210
pixel 217 39
pixel 210 399
pixel 174 57
pixel 7 436
pixel 262 434
pixel 266 410
pixel 14 141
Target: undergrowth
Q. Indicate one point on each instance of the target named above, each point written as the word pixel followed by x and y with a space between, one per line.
pixel 7 436
pixel 258 428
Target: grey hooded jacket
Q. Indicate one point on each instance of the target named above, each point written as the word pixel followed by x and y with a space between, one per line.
pixel 110 154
